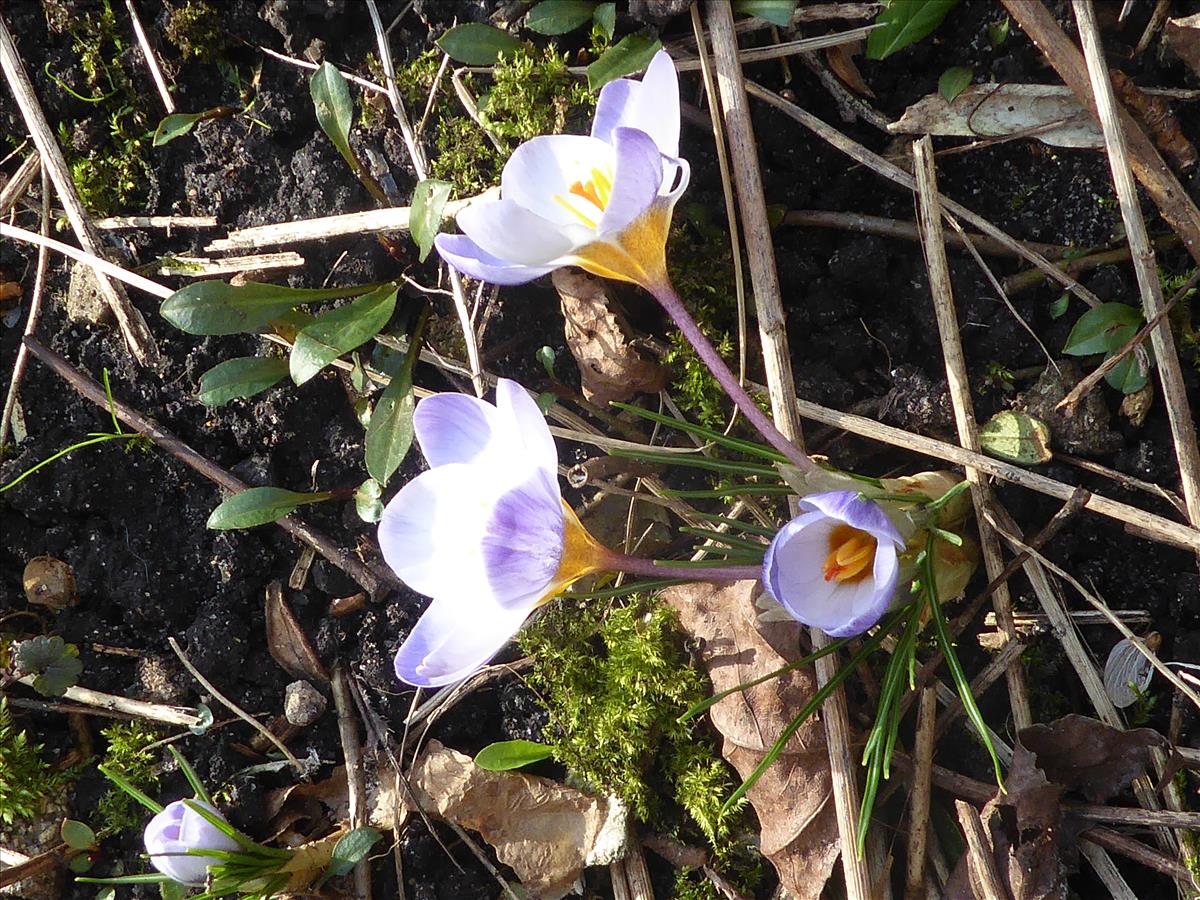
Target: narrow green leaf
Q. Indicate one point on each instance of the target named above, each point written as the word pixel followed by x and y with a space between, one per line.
pixel 605 19
pixel 258 506
pixel 217 307
pixel 777 12
pixel 1016 437
pixel 954 81
pixel 506 755
pixel 1100 329
pixel 998 32
pixel 904 22
pixel 390 433
pixel 627 57
pixel 335 109
pixel 77 835
pixel 350 849
pixel 241 377
pixel 175 125
pixel 559 16
pixel 474 44
pixel 339 331
pixel 425 217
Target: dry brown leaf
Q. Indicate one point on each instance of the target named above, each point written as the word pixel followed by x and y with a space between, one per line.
pixel 1182 37
pixel 1028 841
pixel 545 832
pixel 793 798
pixel 610 365
pixel 287 641
pixel 1085 755
pixel 841 63
pixel 1154 114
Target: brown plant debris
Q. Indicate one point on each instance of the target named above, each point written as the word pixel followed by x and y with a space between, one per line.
pixel 1154 114
pixel 286 640
pixel 792 799
pixel 610 365
pixel 1084 754
pixel 1026 831
pixel 1182 37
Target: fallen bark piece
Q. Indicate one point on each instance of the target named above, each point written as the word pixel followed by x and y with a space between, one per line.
pixel 1086 755
pixel 545 832
pixel 610 365
pixel 793 798
pixel 1154 114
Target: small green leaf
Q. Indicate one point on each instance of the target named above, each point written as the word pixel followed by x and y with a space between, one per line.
pixel 52 661
pixel 77 835
pixel 474 44
pixel 258 506
pixel 1058 308
pixel 545 401
pixel 559 16
pixel 904 22
pixel 335 109
pixel 241 377
pixel 545 356
pixel 777 12
pixel 339 331
pixel 1016 437
pixel 954 81
pixel 506 755
pixel 350 849
pixel 217 307
pixel 367 501
pixel 1100 329
pixel 175 125
pixel 1127 376
pixel 425 216
pixel 627 57
pixel 998 32
pixel 605 19
pixel 107 893
pixel 80 864
pixel 390 434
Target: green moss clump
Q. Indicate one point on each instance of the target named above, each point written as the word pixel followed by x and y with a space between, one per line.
pixel 128 755
pixel 26 780
pixel 535 95
pixel 196 31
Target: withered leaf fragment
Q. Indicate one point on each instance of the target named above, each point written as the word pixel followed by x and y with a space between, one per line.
pixel 286 640
pixel 610 366
pixel 793 798
pixel 1085 755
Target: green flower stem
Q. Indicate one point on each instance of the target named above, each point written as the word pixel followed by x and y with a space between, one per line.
pixel 666 296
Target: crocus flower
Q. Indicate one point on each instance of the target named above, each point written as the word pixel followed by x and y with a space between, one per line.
pixel 602 202
pixel 178 829
pixel 484 532
pixel 835 565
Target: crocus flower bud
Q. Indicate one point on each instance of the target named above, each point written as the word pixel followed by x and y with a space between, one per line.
pixel 178 829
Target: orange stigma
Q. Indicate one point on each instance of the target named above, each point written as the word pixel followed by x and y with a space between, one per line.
pixel 851 553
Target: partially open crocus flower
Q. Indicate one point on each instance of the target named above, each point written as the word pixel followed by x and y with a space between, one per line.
pixel 602 202
pixel 177 830
pixel 484 532
pixel 835 565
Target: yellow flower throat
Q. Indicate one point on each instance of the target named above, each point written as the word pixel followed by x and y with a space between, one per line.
pixel 851 554
pixel 596 191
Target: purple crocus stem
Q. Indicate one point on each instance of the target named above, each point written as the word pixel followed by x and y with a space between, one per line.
pixel 665 295
pixel 633 565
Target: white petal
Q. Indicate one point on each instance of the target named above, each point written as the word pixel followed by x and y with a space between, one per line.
pixel 454 638
pixel 528 424
pixel 455 428
pixel 546 167
pixel 509 231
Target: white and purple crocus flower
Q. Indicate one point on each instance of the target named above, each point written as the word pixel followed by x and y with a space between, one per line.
pixel 836 565
pixel 177 830
pixel 484 531
pixel 601 202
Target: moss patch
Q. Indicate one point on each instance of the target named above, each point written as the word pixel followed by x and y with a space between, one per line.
pixel 26 780
pixel 130 756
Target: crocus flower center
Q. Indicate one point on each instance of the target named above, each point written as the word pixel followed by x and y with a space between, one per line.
pixel 851 554
pixel 581 555
pixel 586 200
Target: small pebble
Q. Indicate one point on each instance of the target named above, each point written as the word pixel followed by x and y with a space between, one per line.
pixel 49 582
pixel 303 704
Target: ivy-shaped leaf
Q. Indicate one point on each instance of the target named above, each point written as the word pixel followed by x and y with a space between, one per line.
pixel 52 661
pixel 176 125
pixel 954 81
pixel 1102 329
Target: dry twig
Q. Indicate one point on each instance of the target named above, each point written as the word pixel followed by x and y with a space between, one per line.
pixel 985 877
pixel 151 58
pixel 918 811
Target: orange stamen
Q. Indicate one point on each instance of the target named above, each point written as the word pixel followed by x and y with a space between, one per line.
pixel 587 192
pixel 851 553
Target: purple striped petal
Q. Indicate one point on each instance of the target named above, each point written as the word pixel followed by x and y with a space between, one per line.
pixel 651 105
pixel 636 179
pixel 466 256
pixel 852 509
pixel 522 543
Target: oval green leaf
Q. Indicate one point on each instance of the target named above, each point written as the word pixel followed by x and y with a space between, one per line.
pixel 1102 329
pixel 77 835
pixel 339 331
pixel 474 44
pixel 217 307
pixel 506 755
pixel 777 12
pixel 954 81
pixel 627 57
pixel 559 16
pixel 367 501
pixel 258 506
pixel 425 216
pixel 605 19
pixel 1127 376
pixel 175 125
pixel 242 377
pixel 1016 437
pixel 350 849
pixel 390 434
pixel 904 22
pixel 335 109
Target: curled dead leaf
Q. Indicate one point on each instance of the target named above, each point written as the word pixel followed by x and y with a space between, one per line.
pixel 610 365
pixel 287 641
pixel 793 797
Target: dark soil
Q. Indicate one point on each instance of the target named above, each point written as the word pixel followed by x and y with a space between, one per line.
pixel 131 522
